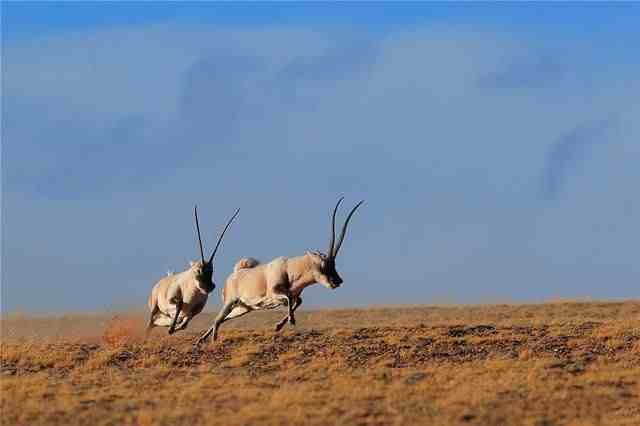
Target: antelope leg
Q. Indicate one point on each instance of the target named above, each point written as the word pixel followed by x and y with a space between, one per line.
pixel 296 304
pixel 284 320
pixel 172 329
pixel 151 324
pixel 226 309
pixel 183 324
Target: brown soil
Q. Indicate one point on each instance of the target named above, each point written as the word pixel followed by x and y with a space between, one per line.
pixel 548 364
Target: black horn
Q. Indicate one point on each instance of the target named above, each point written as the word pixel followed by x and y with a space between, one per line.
pixel 195 212
pixel 222 235
pixel 333 228
pixel 344 229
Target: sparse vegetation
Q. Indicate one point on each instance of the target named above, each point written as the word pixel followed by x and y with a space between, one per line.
pixel 548 364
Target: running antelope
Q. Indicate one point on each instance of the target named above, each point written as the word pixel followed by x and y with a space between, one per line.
pixel 177 298
pixel 254 286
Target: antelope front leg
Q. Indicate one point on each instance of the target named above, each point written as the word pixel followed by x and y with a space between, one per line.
pixel 291 308
pixel 296 305
pixel 172 329
pixel 219 319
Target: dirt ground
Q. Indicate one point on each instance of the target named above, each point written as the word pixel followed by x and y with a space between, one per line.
pixel 538 365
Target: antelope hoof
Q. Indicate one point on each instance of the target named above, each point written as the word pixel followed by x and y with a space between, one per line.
pixel 201 339
pixel 171 331
pixel 292 321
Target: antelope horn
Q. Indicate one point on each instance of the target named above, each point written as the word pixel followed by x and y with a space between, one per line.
pixel 222 235
pixel 195 212
pixel 333 228
pixel 344 229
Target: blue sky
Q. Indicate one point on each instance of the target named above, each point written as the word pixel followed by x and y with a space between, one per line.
pixel 496 146
pixel 24 20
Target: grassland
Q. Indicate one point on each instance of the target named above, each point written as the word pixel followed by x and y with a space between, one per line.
pixel 538 365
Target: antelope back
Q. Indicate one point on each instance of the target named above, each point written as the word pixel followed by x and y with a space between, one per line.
pixel 253 283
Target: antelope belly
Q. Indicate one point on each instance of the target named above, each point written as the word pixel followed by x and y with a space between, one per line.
pixel 267 303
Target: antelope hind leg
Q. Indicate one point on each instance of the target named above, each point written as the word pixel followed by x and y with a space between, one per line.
pixel 151 322
pixel 183 323
pixel 219 320
pixel 162 320
pixel 238 311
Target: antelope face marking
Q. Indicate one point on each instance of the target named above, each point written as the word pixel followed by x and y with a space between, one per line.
pixel 324 270
pixel 329 270
pixel 203 273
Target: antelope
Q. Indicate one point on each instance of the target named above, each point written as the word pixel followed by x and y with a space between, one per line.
pixel 255 286
pixel 177 298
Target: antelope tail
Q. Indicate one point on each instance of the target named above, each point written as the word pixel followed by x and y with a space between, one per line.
pixel 246 263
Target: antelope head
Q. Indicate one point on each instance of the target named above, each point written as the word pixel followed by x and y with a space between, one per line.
pixel 324 269
pixel 203 269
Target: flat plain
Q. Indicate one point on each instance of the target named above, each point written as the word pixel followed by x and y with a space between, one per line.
pixel 543 364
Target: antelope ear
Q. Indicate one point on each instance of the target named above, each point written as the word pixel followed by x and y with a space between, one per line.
pixel 316 256
pixel 312 254
pixel 192 263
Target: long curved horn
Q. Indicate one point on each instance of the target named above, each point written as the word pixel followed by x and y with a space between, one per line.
pixel 333 228
pixel 222 235
pixel 195 212
pixel 344 228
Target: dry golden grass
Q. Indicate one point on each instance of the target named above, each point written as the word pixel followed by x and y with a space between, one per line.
pixel 537 365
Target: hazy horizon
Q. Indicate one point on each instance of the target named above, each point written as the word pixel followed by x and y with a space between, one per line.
pixel 496 146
